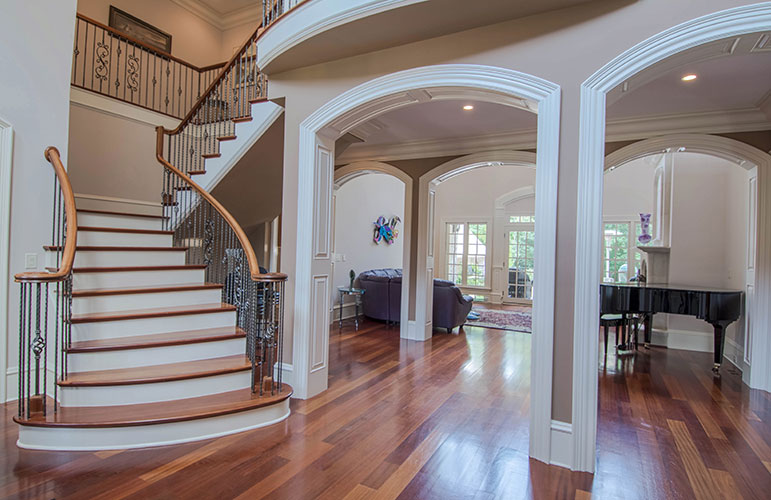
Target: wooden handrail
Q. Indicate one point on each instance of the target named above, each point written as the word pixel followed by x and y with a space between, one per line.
pixel 71 241
pixel 251 257
pixel 204 95
pixel 149 48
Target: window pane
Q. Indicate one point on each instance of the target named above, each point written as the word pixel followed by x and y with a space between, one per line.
pixel 616 252
pixel 455 240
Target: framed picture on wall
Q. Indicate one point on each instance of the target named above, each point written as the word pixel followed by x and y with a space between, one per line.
pixel 139 30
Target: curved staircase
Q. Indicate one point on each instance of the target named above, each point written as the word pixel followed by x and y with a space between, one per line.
pixel 155 356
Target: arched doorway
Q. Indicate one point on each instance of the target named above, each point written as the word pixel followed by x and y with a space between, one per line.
pixel 317 135
pixel 731 22
pixel 353 170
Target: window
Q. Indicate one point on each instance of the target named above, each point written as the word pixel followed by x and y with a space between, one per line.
pixel 467 253
pixel 522 219
pixel 620 253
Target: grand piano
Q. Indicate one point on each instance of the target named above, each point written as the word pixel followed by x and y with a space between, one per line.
pixel 717 307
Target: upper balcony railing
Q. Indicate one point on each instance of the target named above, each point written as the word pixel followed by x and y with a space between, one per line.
pixel 273 9
pixel 111 63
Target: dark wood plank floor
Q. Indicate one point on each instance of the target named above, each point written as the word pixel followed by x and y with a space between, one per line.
pixel 442 419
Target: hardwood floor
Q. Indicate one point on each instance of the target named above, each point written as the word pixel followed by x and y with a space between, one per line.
pixel 442 419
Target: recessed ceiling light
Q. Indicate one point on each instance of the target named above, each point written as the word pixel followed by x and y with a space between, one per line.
pixel 468 107
pixel 689 78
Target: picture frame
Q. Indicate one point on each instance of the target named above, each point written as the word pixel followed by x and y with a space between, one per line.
pixel 139 30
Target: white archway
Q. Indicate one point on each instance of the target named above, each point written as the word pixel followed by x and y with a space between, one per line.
pixel 428 183
pixel 353 170
pixel 315 164
pixel 715 26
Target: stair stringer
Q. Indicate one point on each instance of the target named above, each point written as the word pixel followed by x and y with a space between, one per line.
pixel 264 114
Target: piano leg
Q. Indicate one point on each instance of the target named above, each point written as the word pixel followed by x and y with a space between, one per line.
pixel 648 325
pixel 719 343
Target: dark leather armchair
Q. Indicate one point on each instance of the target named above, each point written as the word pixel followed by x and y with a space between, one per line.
pixel 451 307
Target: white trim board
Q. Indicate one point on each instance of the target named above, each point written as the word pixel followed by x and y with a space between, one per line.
pixel 626 129
pixel 561 444
pixel 6 167
pixel 116 108
pixel 367 101
pixel 732 22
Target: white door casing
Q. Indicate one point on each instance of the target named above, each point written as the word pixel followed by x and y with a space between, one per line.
pixel 6 160
pixel 731 22
pixel 451 81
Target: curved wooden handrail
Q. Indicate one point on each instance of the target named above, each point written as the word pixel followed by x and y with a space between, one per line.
pixel 204 95
pixel 154 50
pixel 71 241
pixel 251 257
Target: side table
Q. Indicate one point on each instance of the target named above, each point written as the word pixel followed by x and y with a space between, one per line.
pixel 356 293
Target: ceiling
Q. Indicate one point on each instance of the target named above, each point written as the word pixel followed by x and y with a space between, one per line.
pixel 443 119
pixel 224 7
pixel 734 80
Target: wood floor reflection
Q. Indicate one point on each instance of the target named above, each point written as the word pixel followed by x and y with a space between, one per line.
pixel 439 420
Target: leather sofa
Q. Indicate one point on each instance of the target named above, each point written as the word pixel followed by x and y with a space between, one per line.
pixel 383 297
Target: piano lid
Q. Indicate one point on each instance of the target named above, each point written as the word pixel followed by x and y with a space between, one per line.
pixel 670 287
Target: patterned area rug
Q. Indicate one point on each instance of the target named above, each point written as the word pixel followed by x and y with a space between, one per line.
pixel 503 320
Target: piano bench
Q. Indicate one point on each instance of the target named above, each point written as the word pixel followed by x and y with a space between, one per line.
pixel 609 320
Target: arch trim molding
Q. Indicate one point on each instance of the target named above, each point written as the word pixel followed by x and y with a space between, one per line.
pixel 403 88
pixel 731 22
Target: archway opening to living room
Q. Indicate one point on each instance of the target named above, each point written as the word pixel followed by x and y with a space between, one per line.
pixel 679 259
pixel 322 139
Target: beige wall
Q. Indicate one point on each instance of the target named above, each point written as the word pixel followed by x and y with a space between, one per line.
pixel 193 39
pixel 565 47
pixel 34 97
pixel 112 155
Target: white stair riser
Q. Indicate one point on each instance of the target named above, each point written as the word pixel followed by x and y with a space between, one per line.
pixel 85 281
pixel 148 326
pixel 119 221
pixel 120 258
pixel 83 305
pixel 114 395
pixel 131 358
pixel 143 436
pixel 110 239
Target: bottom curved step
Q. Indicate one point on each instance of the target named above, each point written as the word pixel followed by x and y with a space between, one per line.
pixel 153 424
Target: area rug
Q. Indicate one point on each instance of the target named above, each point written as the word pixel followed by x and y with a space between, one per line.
pixel 502 320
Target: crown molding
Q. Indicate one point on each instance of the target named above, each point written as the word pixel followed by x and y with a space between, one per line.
pixel 244 15
pixel 626 129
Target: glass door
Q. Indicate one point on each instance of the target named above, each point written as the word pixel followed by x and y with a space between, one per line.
pixel 520 242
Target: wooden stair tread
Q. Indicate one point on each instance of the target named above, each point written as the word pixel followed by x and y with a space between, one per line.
pixel 125 214
pixel 211 155
pixel 159 373
pixel 155 312
pixel 128 269
pixel 157 340
pixel 242 119
pixel 158 413
pixel 123 230
pixel 196 172
pixel 54 248
pixel 227 138
pixel 132 290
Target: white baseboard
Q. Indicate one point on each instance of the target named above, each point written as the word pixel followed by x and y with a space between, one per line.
pixel 12 383
pixel 349 311
pixel 561 453
pixel 683 339
pixel 286 372
pixel 734 354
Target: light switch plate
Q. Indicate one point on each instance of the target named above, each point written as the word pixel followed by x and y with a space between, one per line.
pixel 30 261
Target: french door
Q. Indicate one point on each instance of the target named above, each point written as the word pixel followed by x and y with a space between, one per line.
pixel 520 252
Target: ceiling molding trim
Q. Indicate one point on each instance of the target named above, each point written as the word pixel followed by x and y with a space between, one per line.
pixel 627 129
pixel 244 15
